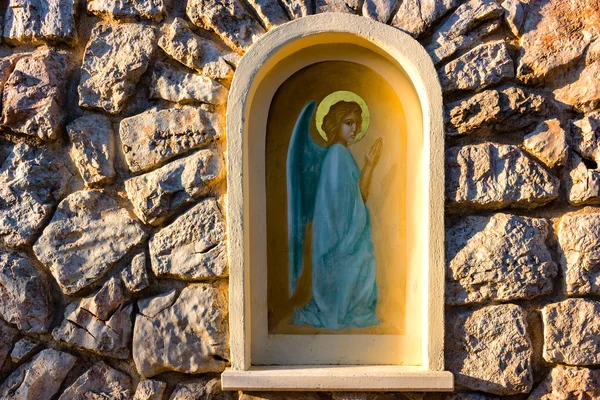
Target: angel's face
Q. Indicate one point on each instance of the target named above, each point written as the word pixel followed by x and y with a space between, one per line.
pixel 349 128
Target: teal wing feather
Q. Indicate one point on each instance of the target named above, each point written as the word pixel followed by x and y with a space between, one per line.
pixel 304 160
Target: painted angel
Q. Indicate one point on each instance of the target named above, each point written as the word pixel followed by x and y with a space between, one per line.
pixel 325 187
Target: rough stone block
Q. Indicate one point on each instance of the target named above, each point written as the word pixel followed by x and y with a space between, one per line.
pixel 548 143
pixel 498 258
pixel 175 339
pixel 7 338
pixel 150 390
pixel 88 234
pixel 270 12
pixel 581 88
pixel 104 302
pixel 416 16
pixel 128 10
pixel 489 350
pixel 23 349
pixel 582 181
pixel 342 6
pixel 492 176
pixel 568 383
pixel 135 276
pixel 100 382
pixel 298 8
pixel 379 10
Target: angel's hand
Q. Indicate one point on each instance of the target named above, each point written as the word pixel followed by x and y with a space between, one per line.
pixel 374 152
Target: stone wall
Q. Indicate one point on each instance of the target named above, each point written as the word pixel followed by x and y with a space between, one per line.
pixel 113 270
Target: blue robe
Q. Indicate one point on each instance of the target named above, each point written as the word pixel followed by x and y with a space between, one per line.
pixel 344 292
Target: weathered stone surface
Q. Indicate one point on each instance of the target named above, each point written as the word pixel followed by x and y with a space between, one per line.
pixel 25 299
pixel 469 396
pixel 568 383
pixel 571 332
pixel 492 176
pixel 106 300
pixel 202 55
pixel 344 6
pixel 584 136
pixel 150 390
pixel 493 111
pixel 92 148
pixel 38 21
pixel 39 379
pixel 483 66
pixel 416 16
pixel 369 396
pixel 556 34
pixel 193 246
pixel 33 100
pixel 298 8
pixel 489 350
pixel 7 338
pixel 23 349
pixel 88 234
pixel 189 336
pixel 228 19
pixel 583 90
pixel 270 12
pixel 100 382
pixel 467 25
pixel 114 60
pixel 182 87
pixel 548 142
pixel 579 239
pixel 32 181
pixel 111 338
pixel 582 181
pixel 128 10
pixel 379 10
pixel 210 390
pixel 135 276
pixel 159 193
pixel 499 258
pixel 279 396
pixel 7 65
pixel 150 307
pixel 514 15
pixel 155 136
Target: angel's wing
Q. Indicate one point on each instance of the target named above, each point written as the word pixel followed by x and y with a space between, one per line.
pixel 304 161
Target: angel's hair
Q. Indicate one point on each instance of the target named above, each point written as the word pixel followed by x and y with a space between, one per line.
pixel 335 117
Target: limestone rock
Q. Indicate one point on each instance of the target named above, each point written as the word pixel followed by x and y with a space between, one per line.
pixel 556 33
pixel 298 8
pixel 202 55
pixel 32 181
pixel 92 148
pixel 416 16
pixel 88 234
pixel 7 338
pixel 343 6
pixel 489 350
pixel 193 246
pixel 23 349
pixel 485 65
pixel 155 136
pixel 182 87
pixel 25 299
pixel 584 136
pixel 492 111
pixel 190 336
pixel 228 19
pixel 514 15
pixel 38 21
pixel 128 10
pixel 150 390
pixel 566 383
pixel 379 10
pixel 492 176
pixel 100 382
pixel 582 181
pixel 152 306
pixel 579 238
pixel 571 332
pixel 39 379
pixel 469 396
pixel 210 390
pixel 111 338
pixel 583 90
pixel 114 60
pixel 366 396
pixel 485 264
pixel 135 276
pixel 270 12
pixel 548 142
pixel 467 25
pixel 33 100
pixel 7 65
pixel 159 193
pixel 106 300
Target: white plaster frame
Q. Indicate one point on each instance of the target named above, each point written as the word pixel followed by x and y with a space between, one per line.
pixel 271 48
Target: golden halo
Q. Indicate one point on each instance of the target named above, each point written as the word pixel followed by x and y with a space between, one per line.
pixel 335 97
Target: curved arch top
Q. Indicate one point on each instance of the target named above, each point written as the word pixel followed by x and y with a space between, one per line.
pixel 411 58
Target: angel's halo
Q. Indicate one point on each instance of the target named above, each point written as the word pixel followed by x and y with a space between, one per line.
pixel 336 97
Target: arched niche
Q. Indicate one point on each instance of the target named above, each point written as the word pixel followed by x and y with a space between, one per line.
pixel 408 359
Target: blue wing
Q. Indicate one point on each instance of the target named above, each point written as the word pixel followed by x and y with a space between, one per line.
pixel 304 160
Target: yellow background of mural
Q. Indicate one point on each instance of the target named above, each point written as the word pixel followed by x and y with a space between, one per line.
pixel 387 199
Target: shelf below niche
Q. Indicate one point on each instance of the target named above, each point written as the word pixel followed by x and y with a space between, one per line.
pixel 389 378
